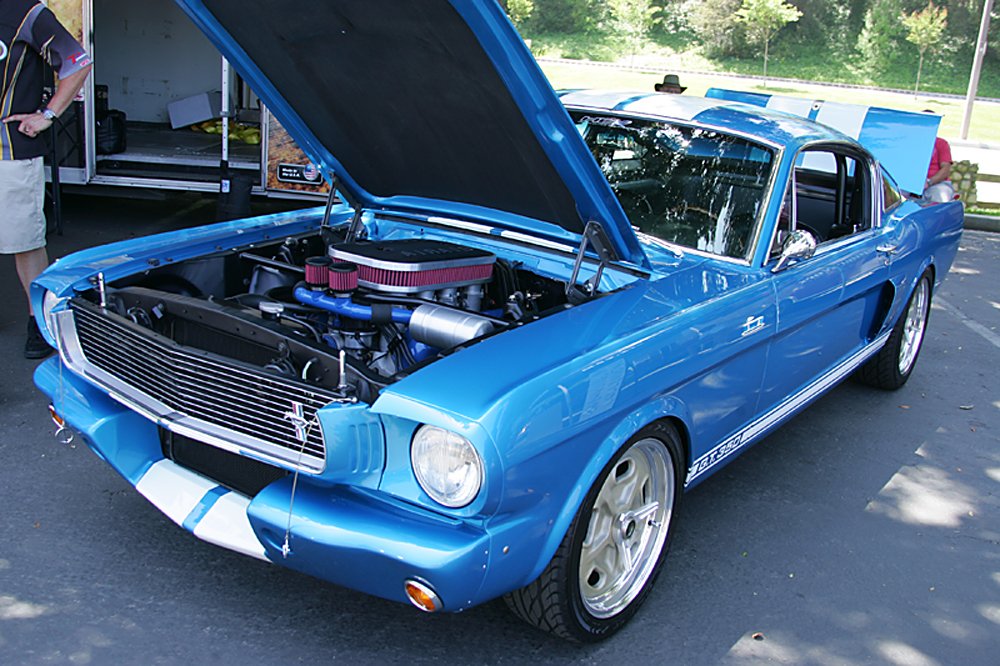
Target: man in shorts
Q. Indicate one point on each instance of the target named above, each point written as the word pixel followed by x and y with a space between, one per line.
pixel 30 34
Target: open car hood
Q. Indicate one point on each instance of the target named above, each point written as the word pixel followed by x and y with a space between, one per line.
pixel 413 103
pixel 901 140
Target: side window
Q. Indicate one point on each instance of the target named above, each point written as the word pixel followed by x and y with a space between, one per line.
pixel 829 196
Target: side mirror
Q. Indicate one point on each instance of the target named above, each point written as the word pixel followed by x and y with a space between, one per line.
pixel 798 246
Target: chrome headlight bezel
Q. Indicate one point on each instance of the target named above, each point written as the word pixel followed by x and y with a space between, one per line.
pixel 447 466
pixel 50 303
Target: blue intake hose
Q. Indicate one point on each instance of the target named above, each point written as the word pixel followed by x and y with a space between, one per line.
pixel 345 307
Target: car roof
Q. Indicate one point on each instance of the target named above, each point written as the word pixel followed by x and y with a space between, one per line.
pixel 774 127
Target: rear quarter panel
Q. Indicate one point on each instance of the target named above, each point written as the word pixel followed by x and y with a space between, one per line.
pixel 927 236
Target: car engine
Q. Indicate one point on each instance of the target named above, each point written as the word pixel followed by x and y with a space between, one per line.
pixel 349 317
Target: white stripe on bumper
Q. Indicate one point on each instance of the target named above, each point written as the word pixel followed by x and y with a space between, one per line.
pixel 182 495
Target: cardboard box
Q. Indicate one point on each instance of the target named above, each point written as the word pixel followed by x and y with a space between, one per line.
pixel 195 109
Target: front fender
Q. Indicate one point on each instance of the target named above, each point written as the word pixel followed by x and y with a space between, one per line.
pixel 524 542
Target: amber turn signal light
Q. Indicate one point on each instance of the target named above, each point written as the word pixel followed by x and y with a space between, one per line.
pixel 422 596
pixel 58 420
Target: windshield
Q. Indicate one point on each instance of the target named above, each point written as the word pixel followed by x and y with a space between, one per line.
pixel 697 188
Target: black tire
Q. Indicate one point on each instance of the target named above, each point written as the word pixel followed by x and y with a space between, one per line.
pixel 556 601
pixel 892 365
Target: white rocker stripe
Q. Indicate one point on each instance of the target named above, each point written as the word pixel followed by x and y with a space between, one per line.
pixel 786 408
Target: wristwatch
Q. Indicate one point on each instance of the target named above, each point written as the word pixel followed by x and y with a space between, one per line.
pixel 48 114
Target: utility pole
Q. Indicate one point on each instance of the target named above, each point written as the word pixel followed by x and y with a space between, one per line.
pixel 977 66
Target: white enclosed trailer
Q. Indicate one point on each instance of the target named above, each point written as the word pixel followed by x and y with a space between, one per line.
pixel 159 84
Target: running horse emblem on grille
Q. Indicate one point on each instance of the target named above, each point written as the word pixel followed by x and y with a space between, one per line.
pixel 298 418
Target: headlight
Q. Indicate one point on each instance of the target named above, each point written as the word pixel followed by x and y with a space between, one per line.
pixel 447 466
pixel 49 303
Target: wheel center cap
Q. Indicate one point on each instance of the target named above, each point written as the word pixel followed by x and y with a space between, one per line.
pixel 627 526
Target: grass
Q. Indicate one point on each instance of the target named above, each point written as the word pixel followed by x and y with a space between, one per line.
pixel 789 59
pixel 991 212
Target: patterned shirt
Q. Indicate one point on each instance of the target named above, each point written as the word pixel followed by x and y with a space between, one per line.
pixel 29 33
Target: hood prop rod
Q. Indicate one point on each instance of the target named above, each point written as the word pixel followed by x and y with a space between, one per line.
pixel 594 237
pixel 353 229
pixel 329 201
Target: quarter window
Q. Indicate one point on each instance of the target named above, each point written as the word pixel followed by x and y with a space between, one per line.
pixel 891 196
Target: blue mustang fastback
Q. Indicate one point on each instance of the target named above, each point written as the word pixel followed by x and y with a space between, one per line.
pixel 528 323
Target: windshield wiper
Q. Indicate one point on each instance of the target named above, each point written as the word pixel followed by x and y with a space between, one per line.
pixel 666 245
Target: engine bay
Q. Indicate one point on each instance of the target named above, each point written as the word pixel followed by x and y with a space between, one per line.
pixel 348 316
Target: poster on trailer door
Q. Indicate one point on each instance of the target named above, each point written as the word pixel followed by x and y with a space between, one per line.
pixel 70 14
pixel 288 168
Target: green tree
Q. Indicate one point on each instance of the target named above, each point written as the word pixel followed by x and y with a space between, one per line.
pixel 764 18
pixel 674 16
pixel 631 21
pixel 924 30
pixel 519 11
pixel 567 16
pixel 881 35
pixel 720 36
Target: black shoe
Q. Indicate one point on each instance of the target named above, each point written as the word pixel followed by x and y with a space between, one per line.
pixel 35 346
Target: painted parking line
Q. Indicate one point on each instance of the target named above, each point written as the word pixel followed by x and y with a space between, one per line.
pixel 971 324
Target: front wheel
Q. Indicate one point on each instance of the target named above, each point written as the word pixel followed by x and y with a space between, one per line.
pixel 892 365
pixel 613 551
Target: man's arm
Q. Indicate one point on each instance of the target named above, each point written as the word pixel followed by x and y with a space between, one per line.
pixel 32 124
pixel 943 174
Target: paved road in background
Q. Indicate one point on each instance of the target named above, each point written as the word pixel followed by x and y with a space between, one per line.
pixel 867 530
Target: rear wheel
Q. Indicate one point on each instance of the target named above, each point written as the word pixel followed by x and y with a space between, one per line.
pixel 891 367
pixel 613 551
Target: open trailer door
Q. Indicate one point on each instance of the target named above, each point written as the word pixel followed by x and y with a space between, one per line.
pixel 150 115
pixel 71 138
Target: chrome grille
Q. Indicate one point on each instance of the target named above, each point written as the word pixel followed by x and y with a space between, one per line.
pixel 197 393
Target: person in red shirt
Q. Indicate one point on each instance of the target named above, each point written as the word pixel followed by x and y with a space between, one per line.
pixel 938 186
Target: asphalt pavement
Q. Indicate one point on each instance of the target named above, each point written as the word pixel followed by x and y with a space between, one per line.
pixel 866 530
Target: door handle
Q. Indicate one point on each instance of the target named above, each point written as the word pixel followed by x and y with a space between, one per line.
pixel 887 249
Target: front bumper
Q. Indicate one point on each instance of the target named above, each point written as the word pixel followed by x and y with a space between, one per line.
pixel 360 539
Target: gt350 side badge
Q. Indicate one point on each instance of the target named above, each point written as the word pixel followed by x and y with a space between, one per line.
pixel 752 325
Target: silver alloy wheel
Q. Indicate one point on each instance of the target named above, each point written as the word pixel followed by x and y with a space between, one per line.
pixel 913 326
pixel 628 527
